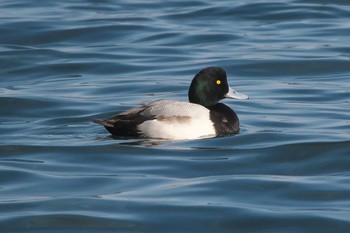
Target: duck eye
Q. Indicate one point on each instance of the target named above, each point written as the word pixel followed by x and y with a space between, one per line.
pixel 218 82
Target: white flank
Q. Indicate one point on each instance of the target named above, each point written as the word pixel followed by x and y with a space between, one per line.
pixel 174 129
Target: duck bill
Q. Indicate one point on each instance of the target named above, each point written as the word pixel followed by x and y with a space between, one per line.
pixel 232 94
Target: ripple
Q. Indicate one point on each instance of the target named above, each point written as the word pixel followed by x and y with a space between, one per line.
pixel 62 64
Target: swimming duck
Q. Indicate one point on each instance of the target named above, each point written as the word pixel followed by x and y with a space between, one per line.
pixel 202 117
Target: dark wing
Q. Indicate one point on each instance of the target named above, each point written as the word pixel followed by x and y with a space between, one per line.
pixel 125 123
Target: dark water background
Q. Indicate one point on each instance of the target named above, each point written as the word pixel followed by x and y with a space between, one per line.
pixel 64 62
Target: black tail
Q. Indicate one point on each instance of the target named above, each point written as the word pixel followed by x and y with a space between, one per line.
pixel 102 122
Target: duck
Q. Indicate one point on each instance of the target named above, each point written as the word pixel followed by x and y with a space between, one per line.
pixel 202 117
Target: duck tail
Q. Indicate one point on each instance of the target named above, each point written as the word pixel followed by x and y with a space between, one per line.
pixel 102 122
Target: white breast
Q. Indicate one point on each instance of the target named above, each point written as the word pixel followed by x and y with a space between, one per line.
pixel 178 120
pixel 177 130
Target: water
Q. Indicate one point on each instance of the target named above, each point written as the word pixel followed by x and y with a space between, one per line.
pixel 65 62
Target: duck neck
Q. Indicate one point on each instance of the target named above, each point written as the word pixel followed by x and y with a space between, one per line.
pixel 199 95
pixel 202 101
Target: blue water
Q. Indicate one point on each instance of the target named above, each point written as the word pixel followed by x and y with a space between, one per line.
pixel 65 62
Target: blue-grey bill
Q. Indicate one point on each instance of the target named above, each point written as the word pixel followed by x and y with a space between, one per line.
pixel 235 95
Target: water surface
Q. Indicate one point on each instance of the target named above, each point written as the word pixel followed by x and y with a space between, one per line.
pixel 63 63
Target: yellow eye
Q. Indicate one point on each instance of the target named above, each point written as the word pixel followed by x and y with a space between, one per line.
pixel 218 82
